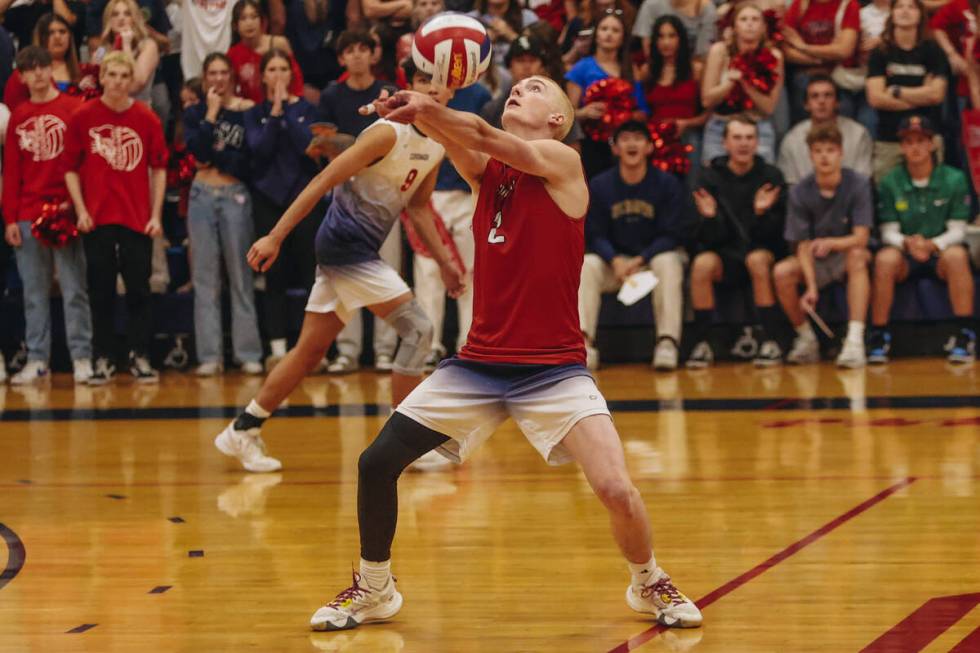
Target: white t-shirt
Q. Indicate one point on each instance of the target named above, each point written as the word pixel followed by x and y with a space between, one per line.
pixel 206 28
pixel 873 20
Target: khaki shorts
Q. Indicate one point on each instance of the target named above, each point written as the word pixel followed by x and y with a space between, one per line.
pixel 342 289
pixel 467 401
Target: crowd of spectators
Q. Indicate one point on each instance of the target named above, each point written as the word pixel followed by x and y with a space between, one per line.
pixel 778 148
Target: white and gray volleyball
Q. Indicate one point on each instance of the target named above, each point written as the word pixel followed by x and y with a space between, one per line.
pixel 454 48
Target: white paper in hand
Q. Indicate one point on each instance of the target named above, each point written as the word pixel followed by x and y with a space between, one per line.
pixel 636 287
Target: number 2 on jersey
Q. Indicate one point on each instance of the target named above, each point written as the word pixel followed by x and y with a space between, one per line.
pixel 412 174
pixel 493 238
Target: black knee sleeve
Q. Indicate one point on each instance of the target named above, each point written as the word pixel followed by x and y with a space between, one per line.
pixel 401 441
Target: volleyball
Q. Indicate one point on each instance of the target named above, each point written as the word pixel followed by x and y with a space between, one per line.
pixel 454 48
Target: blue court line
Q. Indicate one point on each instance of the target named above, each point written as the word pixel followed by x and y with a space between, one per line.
pixel 779 404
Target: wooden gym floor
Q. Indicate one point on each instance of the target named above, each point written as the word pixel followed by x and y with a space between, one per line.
pixel 807 509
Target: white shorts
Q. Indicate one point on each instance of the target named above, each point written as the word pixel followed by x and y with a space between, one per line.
pixel 467 401
pixel 342 289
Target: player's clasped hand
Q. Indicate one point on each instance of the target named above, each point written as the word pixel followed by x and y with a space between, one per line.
pixel 401 107
pixel 453 278
pixel 263 253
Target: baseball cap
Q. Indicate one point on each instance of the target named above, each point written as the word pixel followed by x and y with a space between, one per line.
pixel 915 125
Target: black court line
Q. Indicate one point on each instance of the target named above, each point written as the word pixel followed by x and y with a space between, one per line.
pixel 159 589
pixel 731 404
pixel 80 629
pixel 16 555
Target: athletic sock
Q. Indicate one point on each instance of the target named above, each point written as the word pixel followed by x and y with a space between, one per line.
pixel 769 317
pixel 278 347
pixel 252 418
pixel 375 574
pixel 805 331
pixel 702 322
pixel 855 331
pixel 641 574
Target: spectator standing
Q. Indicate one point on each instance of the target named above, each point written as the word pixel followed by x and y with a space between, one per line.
pixel 117 174
pixel 252 41
pixel 698 18
pixel 219 221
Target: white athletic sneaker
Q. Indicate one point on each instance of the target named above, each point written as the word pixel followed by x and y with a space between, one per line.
pixel 804 351
pixel 248 447
pixel 661 598
pixel 665 355
pixel 3 368
pixel 82 370
pixel 591 358
pixel 431 462
pixel 342 365
pixel 357 605
pixel 252 368
pixel 33 372
pixel 383 363
pixel 852 355
pixel 212 368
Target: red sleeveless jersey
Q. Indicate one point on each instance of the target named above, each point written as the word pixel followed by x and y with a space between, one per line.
pixel 526 274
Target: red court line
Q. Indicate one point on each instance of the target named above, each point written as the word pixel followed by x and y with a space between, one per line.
pixel 932 619
pixel 639 640
pixel 969 644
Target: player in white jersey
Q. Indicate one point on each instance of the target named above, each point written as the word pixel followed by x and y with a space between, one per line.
pixel 390 168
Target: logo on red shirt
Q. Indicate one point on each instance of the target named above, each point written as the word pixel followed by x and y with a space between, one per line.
pixel 121 147
pixel 43 136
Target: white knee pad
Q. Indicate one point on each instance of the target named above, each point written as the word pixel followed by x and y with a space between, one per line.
pixel 415 331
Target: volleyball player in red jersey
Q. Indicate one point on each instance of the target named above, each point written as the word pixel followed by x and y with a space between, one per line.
pixel 524 356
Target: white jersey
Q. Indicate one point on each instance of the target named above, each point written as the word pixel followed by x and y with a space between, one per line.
pixel 365 207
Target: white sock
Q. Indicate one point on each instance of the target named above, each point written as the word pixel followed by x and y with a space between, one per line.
pixel 278 346
pixel 805 331
pixel 855 331
pixel 641 574
pixel 376 574
pixel 255 410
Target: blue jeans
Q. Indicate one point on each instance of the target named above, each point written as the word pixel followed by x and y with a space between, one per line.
pixel 219 222
pixel 854 105
pixel 35 263
pixel 713 136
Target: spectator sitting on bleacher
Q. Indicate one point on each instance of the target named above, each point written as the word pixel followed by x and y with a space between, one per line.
pixel 116 160
pixel 34 176
pixel 829 218
pixel 923 209
pixel 822 103
pixel 635 222
pixel 741 202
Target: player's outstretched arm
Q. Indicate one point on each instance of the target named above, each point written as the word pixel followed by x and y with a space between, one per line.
pixel 470 164
pixel 423 219
pixel 372 145
pixel 558 164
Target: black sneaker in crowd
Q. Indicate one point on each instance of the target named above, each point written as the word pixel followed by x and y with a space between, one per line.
pixel 770 354
pixel 879 344
pixel 701 356
pixel 964 349
pixel 102 373
pixel 139 367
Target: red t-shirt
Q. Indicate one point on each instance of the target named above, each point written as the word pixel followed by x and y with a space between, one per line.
pixel 246 61
pixel 33 159
pixel 677 101
pixel 113 151
pixel 956 19
pixel 818 25
pixel 526 272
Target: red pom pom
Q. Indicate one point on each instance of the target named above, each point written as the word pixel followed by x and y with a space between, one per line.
pixel 759 70
pixel 617 94
pixel 669 153
pixel 56 225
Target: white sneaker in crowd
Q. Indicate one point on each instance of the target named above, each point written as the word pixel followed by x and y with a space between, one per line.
pixel 805 350
pixel 33 372
pixel 383 363
pixel 852 355
pixel 212 368
pixel 665 355
pixel 252 368
pixel 82 370
pixel 342 365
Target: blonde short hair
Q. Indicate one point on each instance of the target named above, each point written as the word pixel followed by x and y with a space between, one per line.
pixel 119 58
pixel 564 107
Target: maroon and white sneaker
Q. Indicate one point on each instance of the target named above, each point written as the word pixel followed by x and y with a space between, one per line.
pixel 661 598
pixel 357 605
